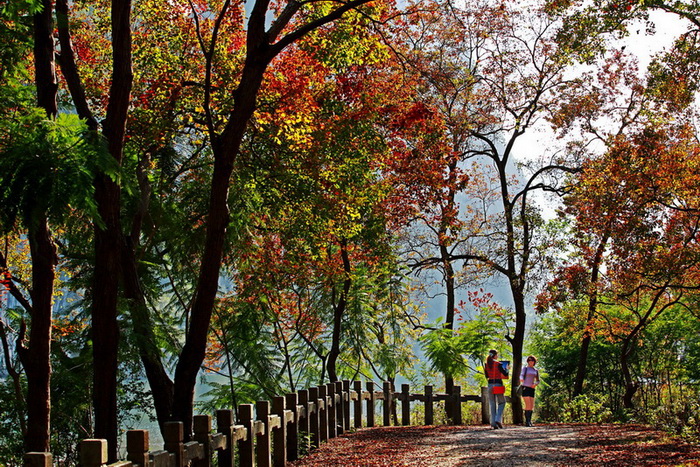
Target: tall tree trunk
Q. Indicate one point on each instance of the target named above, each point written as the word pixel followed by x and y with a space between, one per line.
pixel 105 326
pixel 108 233
pixel 226 148
pixel 582 365
pixel 448 212
pixel 158 379
pixel 193 352
pixel 44 61
pixel 108 237
pixel 338 313
pixel 517 342
pixel 516 280
pixel 449 277
pixel 36 359
pixel 592 308
pixel 630 386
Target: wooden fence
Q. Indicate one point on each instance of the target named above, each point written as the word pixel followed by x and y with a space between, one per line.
pixel 273 434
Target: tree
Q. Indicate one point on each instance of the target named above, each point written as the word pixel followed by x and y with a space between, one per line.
pixel 644 227
pixel 107 227
pixel 263 45
pixel 594 202
pixel 320 247
pixel 612 202
pixel 34 211
pixel 427 128
pixel 58 186
pixel 656 268
pixel 489 89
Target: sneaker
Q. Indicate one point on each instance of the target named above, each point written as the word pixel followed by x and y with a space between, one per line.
pixel 500 425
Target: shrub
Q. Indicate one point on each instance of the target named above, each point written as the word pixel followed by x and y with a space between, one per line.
pixel 678 418
pixel 586 408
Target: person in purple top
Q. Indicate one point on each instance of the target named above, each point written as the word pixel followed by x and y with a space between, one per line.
pixel 529 379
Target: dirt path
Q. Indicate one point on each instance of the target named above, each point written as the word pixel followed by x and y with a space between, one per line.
pixel 546 445
pixel 543 446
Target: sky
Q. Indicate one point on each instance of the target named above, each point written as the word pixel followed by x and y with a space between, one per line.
pixel 668 27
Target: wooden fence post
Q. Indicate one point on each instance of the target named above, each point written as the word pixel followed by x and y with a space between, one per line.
pixel 331 411
pixel 370 404
pixel 323 413
pixel 38 459
pixel 339 408
pixel 292 403
pixel 314 418
pixel 485 411
pixel 457 405
pixel 279 435
pixel 246 446
pixel 304 429
pixel 428 405
pixel 137 447
pixel 173 441
pixel 263 441
pixel 93 452
pixel 358 404
pixel 388 400
pixel 346 404
pixel 405 405
pixel 224 425
pixel 202 431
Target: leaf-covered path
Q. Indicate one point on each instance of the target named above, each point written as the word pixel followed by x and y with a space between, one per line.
pixel 545 445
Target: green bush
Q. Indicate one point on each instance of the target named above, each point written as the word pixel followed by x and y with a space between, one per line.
pixel 586 408
pixel 678 418
pixel 11 448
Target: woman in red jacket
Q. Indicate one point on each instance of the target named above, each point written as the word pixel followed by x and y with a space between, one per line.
pixel 495 372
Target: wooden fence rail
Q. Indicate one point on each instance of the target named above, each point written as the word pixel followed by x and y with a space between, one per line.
pixel 271 434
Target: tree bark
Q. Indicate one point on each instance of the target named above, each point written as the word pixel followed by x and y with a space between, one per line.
pixel 44 62
pixel 108 233
pixel 158 379
pixel 517 342
pixel 582 366
pixel 592 308
pixel 36 358
pixel 449 277
pixel 516 280
pixel 448 273
pixel 338 313
pixel 108 237
pixel 105 326
pixel 630 386
pixel 225 148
